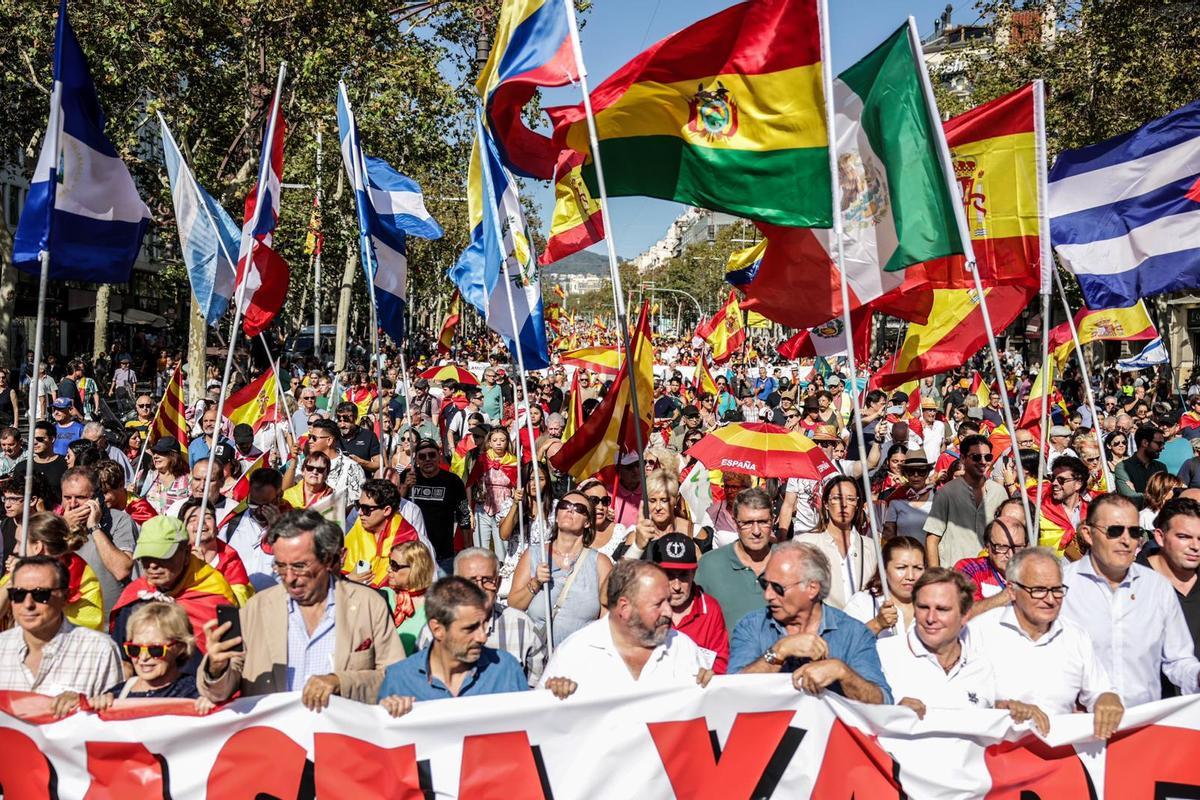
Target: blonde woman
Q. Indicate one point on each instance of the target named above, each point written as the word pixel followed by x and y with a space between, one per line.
pixel 662 497
pixel 410 574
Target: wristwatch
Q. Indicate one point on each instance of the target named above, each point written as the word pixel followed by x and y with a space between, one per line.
pixel 772 658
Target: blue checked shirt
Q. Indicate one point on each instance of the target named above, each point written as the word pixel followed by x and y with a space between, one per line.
pixel 309 655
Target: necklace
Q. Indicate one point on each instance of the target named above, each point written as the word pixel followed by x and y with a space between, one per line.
pixel 568 559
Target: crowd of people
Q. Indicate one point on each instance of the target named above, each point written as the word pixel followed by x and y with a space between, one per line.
pixel 421 541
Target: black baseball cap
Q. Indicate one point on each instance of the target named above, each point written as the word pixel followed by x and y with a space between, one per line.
pixel 674 551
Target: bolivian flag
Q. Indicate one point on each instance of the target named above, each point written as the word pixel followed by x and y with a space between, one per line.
pixel 726 114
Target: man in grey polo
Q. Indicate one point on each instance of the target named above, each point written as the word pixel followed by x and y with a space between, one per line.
pixel 963 507
pixel 730 573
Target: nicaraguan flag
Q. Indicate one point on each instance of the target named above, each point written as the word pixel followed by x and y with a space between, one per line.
pixel 498 235
pixel 390 205
pixel 82 206
pixel 208 236
pixel 1125 213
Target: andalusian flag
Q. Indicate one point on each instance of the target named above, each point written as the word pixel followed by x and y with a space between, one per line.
pixel 954 333
pixel 726 114
pixel 603 359
pixel 446 337
pixel 609 431
pixel 1129 324
pixel 171 419
pixel 255 403
pixel 725 332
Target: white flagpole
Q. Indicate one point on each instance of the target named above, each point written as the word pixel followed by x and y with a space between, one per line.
pixel 960 218
pixel 830 120
pixel 613 270
pixel 1046 258
pixel 241 292
pixel 280 394
pixel 317 263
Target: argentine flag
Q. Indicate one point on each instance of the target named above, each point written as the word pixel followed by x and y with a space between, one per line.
pixel 390 205
pixel 498 236
pixel 208 236
pixel 82 206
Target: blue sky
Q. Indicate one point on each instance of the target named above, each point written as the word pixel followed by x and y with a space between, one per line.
pixel 616 30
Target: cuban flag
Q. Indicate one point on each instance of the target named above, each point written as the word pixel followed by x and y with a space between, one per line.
pixel 390 205
pixel 1125 213
pixel 82 207
pixel 499 237
pixel 208 236
pixel 263 271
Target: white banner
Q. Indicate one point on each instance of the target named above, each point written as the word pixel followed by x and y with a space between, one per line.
pixel 742 737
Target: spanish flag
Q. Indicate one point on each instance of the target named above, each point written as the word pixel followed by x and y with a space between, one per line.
pixel 725 332
pixel 599 323
pixel 362 397
pixel 980 389
pixel 704 379
pixel 726 114
pixel 574 408
pixel 255 403
pixel 609 430
pixel 446 337
pixel 171 419
pixel 604 359
pixel 1130 324
pixel 314 240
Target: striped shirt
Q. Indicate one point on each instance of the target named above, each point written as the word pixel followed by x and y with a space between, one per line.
pixel 309 655
pixel 76 660
pixel 514 632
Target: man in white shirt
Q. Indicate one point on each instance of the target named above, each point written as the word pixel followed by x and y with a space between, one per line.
pixel 634 645
pixel 1044 664
pixel 1130 611
pixel 933 430
pixel 931 667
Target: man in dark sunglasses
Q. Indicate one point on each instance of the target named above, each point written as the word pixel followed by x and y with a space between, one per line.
pixel 359 443
pixel 45 653
pixel 1130 611
pixel 441 496
pixel 963 507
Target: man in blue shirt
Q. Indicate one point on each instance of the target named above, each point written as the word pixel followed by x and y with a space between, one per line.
pixel 821 646
pixel 66 429
pixel 456 663
pixel 764 385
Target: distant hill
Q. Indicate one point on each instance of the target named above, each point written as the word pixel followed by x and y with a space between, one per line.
pixel 585 262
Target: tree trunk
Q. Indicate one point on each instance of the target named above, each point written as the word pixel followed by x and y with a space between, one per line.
pixel 8 297
pixel 100 334
pixel 343 312
pixel 197 353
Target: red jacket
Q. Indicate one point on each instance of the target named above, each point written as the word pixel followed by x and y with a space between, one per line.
pixel 705 625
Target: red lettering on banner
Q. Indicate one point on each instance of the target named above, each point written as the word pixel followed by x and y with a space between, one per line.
pixel 499 766
pixel 1031 769
pixel 349 767
pixel 854 765
pixel 121 770
pixel 697 773
pixel 1155 761
pixel 257 761
pixel 24 771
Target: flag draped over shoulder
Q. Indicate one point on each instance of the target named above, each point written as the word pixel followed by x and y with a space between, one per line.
pixel 82 206
pixel 726 114
pixel 255 404
pixel 208 236
pixel 499 236
pixel 170 419
pixel 724 331
pixel 446 337
pixel 609 430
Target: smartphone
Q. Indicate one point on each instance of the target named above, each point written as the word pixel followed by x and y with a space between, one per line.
pixel 362 566
pixel 230 614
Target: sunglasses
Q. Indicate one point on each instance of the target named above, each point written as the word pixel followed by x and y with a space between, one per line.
pixel 602 501
pixel 1062 480
pixel 578 508
pixel 486 582
pixel 981 458
pixel 426 456
pixel 156 651
pixel 1135 532
pixel 778 588
pixel 316 469
pixel 41 439
pixel 367 508
pixel 394 567
pixel 40 596
pixel 144 405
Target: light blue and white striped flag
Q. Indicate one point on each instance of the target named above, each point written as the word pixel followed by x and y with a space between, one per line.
pixel 82 206
pixel 390 205
pixel 208 236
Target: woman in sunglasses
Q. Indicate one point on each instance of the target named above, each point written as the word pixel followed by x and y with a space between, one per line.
pixel 609 535
pixel 402 456
pixel 313 486
pixel 160 643
pixel 49 535
pixel 907 506
pixel 574 579
pixel 1116 449
pixel 904 561
pixel 410 574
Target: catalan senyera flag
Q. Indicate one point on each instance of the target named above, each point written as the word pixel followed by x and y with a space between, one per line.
pixel 171 419
pixel 954 333
pixel 610 431
pixel 1131 323
pixel 446 337
pixel 255 403
pixel 604 359
pixel 725 331
pixel 726 114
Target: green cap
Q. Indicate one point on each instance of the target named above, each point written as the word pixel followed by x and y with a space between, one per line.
pixel 160 537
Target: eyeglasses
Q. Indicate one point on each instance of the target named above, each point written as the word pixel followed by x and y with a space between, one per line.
pixel 791 416
pixel 486 582
pixel 747 524
pixel 778 588
pixel 308 397
pixel 40 596
pixel 1004 549
pixel 367 508
pixel 1116 531
pixel 1040 592
pixel 652 463
pixel 345 417
pixel 315 469
pixel 304 569
pixel 578 508
pixel 981 458
pixel 12 499
pixel 394 567
pixel 156 651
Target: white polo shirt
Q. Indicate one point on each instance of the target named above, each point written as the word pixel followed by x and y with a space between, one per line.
pixel 1053 672
pixel 912 671
pixel 590 658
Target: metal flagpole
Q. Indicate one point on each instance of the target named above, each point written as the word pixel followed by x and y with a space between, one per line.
pixel 407 389
pixel 247 234
pixel 943 151
pixel 1046 258
pixel 613 269
pixel 1109 483
pixel 830 114
pixel 317 263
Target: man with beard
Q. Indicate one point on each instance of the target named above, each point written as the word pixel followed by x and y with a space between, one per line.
pixel 634 645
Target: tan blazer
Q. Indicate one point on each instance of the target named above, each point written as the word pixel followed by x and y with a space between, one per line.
pixel 365 644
